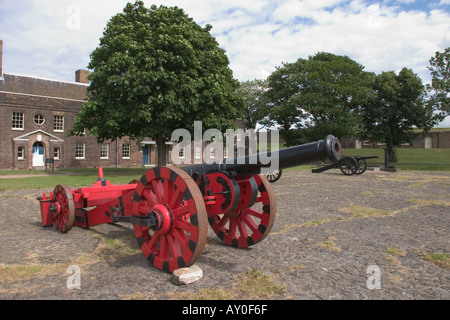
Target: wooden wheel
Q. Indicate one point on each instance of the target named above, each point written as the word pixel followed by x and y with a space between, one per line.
pixel 274 176
pixel 362 166
pixel 63 208
pixel 348 166
pixel 245 227
pixel 179 237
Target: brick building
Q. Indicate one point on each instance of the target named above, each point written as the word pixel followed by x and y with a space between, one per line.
pixel 435 138
pixel 35 116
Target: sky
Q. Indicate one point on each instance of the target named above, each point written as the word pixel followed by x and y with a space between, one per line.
pixel 53 38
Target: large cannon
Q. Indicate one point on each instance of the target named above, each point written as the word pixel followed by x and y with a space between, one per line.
pixel 170 207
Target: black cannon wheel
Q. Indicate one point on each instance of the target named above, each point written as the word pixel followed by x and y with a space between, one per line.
pixel 274 176
pixel 349 166
pixel 362 166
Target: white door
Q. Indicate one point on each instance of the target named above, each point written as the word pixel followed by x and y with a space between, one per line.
pixel 38 154
pixel 428 142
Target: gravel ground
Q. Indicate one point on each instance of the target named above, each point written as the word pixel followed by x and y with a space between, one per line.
pixel 330 230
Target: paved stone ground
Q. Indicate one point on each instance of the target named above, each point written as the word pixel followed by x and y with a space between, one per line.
pixel 328 231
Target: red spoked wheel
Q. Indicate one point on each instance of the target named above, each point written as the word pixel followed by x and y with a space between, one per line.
pixel 179 237
pixel 63 208
pixel 246 227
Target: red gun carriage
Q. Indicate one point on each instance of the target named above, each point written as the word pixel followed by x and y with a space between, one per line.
pixel 170 207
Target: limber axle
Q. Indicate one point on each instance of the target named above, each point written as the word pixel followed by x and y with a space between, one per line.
pixel 170 208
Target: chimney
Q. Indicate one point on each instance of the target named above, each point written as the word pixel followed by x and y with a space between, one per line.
pixel 1 58
pixel 81 76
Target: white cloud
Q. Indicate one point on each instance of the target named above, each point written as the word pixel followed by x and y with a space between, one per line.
pixel 307 8
pixel 41 41
pixel 258 35
pixel 379 37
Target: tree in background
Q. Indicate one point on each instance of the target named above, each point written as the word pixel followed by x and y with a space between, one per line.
pixel 321 95
pixel 154 71
pixel 285 110
pixel 256 107
pixel 396 109
pixel 439 98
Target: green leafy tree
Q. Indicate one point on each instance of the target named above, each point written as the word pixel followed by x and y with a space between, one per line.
pixel 282 96
pixel 156 70
pixel 440 84
pixel 253 93
pixel 321 95
pixel 396 110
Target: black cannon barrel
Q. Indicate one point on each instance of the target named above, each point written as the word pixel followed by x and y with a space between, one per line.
pixel 322 150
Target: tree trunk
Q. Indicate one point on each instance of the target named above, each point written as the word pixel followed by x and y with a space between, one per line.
pixel 391 152
pixel 162 152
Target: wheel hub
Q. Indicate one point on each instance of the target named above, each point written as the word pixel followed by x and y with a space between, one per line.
pixel 55 208
pixel 164 219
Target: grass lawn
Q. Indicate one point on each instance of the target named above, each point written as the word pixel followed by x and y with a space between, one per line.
pixel 70 177
pixel 408 159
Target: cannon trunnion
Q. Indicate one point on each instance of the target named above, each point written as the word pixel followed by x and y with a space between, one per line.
pixel 170 207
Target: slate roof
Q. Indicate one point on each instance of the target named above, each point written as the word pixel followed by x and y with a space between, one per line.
pixel 43 87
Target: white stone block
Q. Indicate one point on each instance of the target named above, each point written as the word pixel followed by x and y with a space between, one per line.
pixel 187 275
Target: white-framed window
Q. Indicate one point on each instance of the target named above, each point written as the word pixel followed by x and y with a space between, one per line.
pixel 17 120
pixel 125 151
pixel 56 153
pixel 80 150
pixel 20 153
pixel 39 119
pixel 58 123
pixel 104 151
